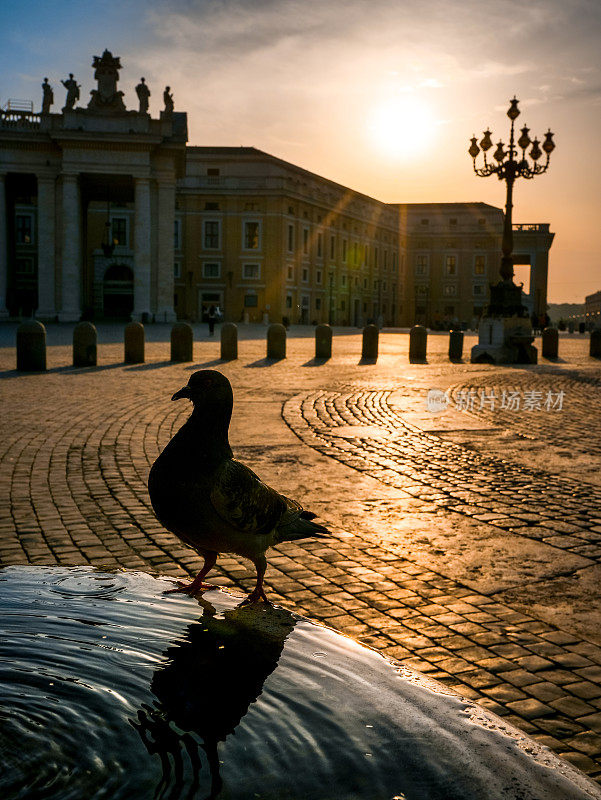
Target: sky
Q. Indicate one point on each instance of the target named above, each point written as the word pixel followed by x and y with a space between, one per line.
pixel 379 95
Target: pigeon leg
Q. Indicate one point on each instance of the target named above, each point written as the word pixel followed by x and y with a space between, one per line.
pixel 258 592
pixel 197 585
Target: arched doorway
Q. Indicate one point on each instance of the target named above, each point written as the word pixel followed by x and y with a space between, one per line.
pixel 118 292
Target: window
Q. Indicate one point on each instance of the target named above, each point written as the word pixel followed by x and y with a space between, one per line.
pixel 213 172
pixel 291 210
pixel 450 290
pixel 366 256
pixel 24 226
pixel 290 238
pixel 119 231
pixel 288 301
pixel 482 223
pixel 355 254
pixel 306 241
pixel 318 276
pixel 394 260
pixel 424 222
pixel 319 245
pixel 332 247
pixel 251 301
pixel 421 265
pixel 211 206
pixel 385 259
pixel 453 222
pixel 376 258
pixel 342 305
pixel 24 266
pixel 177 234
pixel 251 235
pixel 479 265
pixel 210 270
pixel 318 303
pixel 250 272
pixel 344 250
pixel 290 272
pixel 478 290
pixel 211 234
pixel 305 274
pixel 177 270
pixel 343 280
pixel 450 265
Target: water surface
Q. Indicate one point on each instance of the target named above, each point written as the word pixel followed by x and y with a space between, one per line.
pixel 111 689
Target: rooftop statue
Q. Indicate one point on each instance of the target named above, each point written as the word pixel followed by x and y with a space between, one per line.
pixel 143 93
pixel 106 98
pixel 168 100
pixel 72 92
pixel 47 97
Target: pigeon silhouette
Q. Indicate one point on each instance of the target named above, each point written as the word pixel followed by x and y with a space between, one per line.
pixel 214 503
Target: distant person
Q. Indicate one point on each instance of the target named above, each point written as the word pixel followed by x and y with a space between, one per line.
pixel 212 318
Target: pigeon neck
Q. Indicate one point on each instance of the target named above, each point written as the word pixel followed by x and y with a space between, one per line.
pixel 211 425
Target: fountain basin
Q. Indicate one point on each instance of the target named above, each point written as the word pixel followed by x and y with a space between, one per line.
pixel 110 688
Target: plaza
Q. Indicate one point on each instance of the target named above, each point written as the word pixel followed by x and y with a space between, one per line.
pixel 466 542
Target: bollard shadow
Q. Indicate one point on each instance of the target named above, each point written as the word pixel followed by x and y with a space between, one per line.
pixel 418 360
pixel 263 362
pixel 69 368
pixel 554 359
pixel 212 363
pixel 452 360
pixel 316 362
pixel 364 360
pixel 208 680
pixel 151 365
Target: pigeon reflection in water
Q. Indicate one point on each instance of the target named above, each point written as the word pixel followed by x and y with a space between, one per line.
pixel 204 692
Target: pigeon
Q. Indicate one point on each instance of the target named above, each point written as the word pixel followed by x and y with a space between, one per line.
pixel 214 503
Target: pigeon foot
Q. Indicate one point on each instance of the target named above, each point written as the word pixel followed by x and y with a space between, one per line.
pixel 191 588
pixel 255 596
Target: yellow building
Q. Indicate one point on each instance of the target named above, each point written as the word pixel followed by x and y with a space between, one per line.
pixel 263 239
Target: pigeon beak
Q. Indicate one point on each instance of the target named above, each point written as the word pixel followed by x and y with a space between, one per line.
pixel 183 392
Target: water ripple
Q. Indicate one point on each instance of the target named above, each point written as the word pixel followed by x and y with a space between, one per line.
pixel 111 689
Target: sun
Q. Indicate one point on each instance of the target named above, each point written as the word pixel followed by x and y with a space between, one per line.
pixel 402 127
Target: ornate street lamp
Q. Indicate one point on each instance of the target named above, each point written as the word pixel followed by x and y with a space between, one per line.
pixel 108 243
pixel 510 165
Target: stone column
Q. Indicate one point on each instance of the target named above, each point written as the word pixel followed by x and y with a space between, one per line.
pixel 46 246
pixel 142 251
pixel 71 266
pixel 166 217
pixel 3 249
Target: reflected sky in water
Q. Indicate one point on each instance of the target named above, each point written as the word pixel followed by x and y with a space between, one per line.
pixel 111 689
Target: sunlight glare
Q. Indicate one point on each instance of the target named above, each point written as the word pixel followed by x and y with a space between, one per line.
pixel 402 127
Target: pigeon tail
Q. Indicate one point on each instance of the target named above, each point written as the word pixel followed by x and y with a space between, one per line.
pixel 300 528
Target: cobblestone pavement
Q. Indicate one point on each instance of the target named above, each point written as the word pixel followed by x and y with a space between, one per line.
pixel 441 550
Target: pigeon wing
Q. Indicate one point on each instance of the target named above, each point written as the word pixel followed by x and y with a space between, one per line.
pixel 243 501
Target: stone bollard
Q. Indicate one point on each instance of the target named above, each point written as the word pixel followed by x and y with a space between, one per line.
pixel 570 327
pixel 229 342
pixel 550 343
pixel 418 339
pixel 455 346
pixel 595 346
pixel 31 346
pixel 323 342
pixel 133 339
pixel 276 341
pixel 85 341
pixel 182 341
pixel 371 334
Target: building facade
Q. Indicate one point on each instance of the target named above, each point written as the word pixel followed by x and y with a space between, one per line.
pixel 592 310
pixel 107 213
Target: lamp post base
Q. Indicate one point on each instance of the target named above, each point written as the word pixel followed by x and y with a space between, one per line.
pixel 504 340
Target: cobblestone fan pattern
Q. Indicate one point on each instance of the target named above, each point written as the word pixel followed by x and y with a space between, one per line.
pixel 512 663
pixel 75 476
pixel 512 497
pixel 524 405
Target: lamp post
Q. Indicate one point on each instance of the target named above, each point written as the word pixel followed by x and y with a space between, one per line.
pixel 510 165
